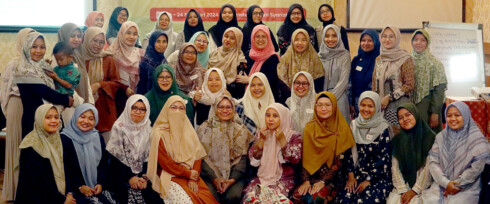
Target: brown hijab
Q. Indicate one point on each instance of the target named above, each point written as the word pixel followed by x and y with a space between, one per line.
pixel 189 76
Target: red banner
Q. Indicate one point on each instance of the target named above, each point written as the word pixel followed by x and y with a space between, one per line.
pixel 212 14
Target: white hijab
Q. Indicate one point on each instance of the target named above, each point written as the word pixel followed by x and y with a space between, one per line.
pixel 302 108
pixel 251 104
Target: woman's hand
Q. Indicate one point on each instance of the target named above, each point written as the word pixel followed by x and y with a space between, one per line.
pixel 194 175
pixel 434 120
pixel 129 92
pixel 86 191
pixel 242 79
pixel 316 187
pixel 304 188
pixel 227 183
pixel 133 182
pixel 97 189
pixel 362 186
pixel 451 188
pixel 142 183
pixel 198 96
pixel 193 185
pixel 218 184
pixel 385 101
pixel 351 183
pixel 95 87
pixel 407 196
pixel 69 199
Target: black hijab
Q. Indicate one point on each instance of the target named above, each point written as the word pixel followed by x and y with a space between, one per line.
pixel 114 26
pixel 325 23
pixel 189 30
pixel 218 30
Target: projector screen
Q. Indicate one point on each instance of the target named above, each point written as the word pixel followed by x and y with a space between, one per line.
pixel 405 14
pixel 43 13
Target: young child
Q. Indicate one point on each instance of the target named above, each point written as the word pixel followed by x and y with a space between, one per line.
pixel 66 76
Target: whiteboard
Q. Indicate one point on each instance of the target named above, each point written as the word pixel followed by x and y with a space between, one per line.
pixel 459 46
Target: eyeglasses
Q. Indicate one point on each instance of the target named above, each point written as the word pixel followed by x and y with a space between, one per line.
pixel 388 36
pixel 190 52
pixel 324 12
pixel 304 84
pixel 177 108
pixel 296 14
pixel 320 105
pixel 122 16
pixel 202 41
pixel 258 13
pixel 136 109
pixel 164 78
pixel 225 107
pixel 98 42
pixel 165 20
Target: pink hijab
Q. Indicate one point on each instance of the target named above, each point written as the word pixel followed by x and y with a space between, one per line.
pixel 270 170
pixel 90 21
pixel 260 56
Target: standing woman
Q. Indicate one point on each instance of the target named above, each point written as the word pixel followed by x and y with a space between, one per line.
pixel 301 56
pixel 327 17
pixel 188 71
pixel 430 81
pixel 127 56
pixel 227 19
pixel 42 173
pixel 193 23
pixel 254 18
pixel 458 158
pixel 154 56
pixel 118 17
pixel 325 139
pixel 393 75
pixel 95 18
pixel 410 166
pixel 12 108
pixel 369 161
pixel 174 163
pixel 302 100
pixel 229 58
pixel 164 24
pixel 294 19
pixel 362 67
pixel 164 86
pixel 336 62
pixel 201 40
pixel 85 158
pixel 129 147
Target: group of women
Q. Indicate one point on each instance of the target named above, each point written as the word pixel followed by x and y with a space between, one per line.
pixel 219 116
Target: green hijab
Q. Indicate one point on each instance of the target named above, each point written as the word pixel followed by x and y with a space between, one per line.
pixel 202 57
pixel 428 70
pixel 158 97
pixel 411 147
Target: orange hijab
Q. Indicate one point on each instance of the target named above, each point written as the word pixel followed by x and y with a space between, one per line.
pixel 323 141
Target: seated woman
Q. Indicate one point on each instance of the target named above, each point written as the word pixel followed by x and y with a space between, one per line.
pixel 369 160
pixel 164 86
pixel 277 148
pixel 128 147
pixel 231 60
pixel 302 100
pixel 174 162
pixel 85 158
pixel 41 173
pixel 251 108
pixel 226 140
pixel 457 158
pixel 325 139
pixel 301 56
pixel 189 73
pixel 213 87
pixel 410 166
pixel 152 59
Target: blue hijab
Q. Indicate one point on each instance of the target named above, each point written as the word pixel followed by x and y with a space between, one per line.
pixel 361 79
pixel 87 144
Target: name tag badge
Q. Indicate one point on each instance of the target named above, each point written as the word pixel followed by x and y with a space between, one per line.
pixel 358 68
pixel 193 77
pixel 308 110
pixel 369 137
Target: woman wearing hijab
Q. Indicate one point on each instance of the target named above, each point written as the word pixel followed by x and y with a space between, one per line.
pixel 189 73
pixel 325 139
pixel 227 19
pixel 201 40
pixel 42 173
pixel 85 158
pixel 164 86
pixel 118 17
pixel 164 24
pixel 95 18
pixel 458 158
pixel 301 56
pixel 302 100
pixel 214 86
pixel 336 62
pixel 226 140
pixel 265 60
pixel 193 23
pixel 12 109
pixel 369 161
pixel 229 58
pixel 104 76
pixel 174 162
pixel 72 34
pixel 254 18
pixel 129 147
pixel 362 66
pixel 252 106
pixel 277 148
pixel 127 56
pixel 410 166
pixel 393 75
pixel 35 87
pixel 295 19
pixel 327 17
pixel 154 56
pixel 430 80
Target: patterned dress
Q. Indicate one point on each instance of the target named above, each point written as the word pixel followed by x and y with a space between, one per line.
pixel 374 164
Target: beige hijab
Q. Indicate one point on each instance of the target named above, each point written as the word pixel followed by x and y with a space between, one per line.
pixel 293 62
pixel 47 145
pixel 180 140
pixel 228 60
pixel 95 65
pixel 21 37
